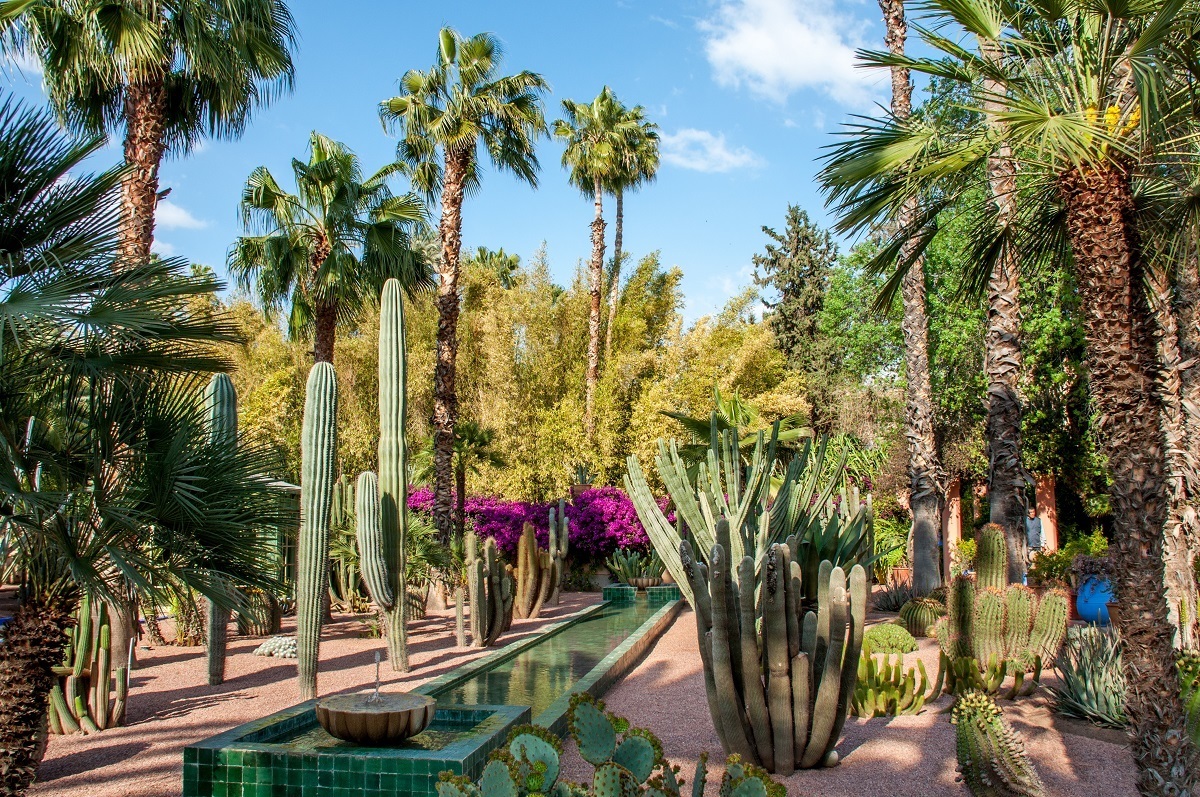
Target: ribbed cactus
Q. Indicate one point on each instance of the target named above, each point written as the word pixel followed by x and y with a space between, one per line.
pixel 220 403
pixel 490 590
pixel 991 756
pixel 559 542
pixel 383 514
pixel 919 615
pixel 886 689
pixel 779 697
pixel 991 558
pixel 318 457
pixel 88 658
pixel 535 575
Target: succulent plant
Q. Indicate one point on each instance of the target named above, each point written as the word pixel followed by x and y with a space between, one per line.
pixel 889 638
pixel 281 647
pixel 1189 681
pixel 885 689
pixel 88 660
pixel 991 558
pixel 559 544
pixel 535 576
pixel 1091 683
pixel 220 401
pixel 991 756
pixel 919 615
pixel 490 591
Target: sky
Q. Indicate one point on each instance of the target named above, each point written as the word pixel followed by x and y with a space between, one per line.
pixel 746 94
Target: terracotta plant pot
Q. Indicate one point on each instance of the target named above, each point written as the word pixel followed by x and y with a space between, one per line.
pixel 667 578
pixel 900 574
pixel 387 721
pixel 578 490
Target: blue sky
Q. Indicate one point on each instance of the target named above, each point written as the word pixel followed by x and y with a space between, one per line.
pixel 746 93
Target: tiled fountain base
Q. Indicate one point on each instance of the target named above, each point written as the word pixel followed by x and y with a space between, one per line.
pixel 288 754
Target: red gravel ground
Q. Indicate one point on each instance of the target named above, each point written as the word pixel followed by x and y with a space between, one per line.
pixel 171 705
pixel 902 757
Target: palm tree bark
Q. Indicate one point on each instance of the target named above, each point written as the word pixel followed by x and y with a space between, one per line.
pixel 1180 461
pixel 145 145
pixel 34 641
pixel 445 396
pixel 325 332
pixel 460 505
pixel 1188 297
pixel 614 289
pixel 596 277
pixel 1007 479
pixel 1122 366
pixel 925 501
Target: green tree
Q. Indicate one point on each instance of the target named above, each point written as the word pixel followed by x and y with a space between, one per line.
pixel 443 115
pixel 1092 104
pixel 168 74
pixel 325 251
pixel 472 452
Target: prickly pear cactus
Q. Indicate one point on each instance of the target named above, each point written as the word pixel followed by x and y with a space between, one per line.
pixel 991 756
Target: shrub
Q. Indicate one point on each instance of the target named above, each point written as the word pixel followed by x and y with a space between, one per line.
pixel 888 638
pixel 1050 569
pixel 963 556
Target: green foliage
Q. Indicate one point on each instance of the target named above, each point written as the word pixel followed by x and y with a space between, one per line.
pixel 965 551
pixel 991 756
pixel 1189 681
pixel 891 535
pixel 889 638
pixel 1091 681
pixel 892 596
pixel 885 689
pixel 626 565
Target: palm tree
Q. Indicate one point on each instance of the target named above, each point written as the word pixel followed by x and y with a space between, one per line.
pixel 1094 105
pixel 597 136
pixel 924 491
pixel 108 475
pixel 472 451
pixel 500 263
pixel 443 115
pixel 637 165
pixel 328 248
pixel 168 74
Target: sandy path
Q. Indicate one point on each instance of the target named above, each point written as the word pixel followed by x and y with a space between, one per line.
pixel 898 757
pixel 172 706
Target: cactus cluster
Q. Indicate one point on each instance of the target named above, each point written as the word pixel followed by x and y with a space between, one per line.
pixel 627 761
pixel 919 615
pixel 559 544
pixel 491 590
pixel 220 403
pixel 1005 629
pixel 281 647
pixel 82 698
pixel 260 614
pixel 343 550
pixel 535 574
pixel 779 679
pixel 991 756
pixel 889 638
pixel 886 689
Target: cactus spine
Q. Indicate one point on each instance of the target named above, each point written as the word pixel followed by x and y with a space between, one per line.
pixel 559 536
pixel 919 615
pixel 220 400
pixel 779 697
pixel 490 590
pixel 318 455
pixel 535 575
pixel 72 708
pixel 382 536
pixel 991 755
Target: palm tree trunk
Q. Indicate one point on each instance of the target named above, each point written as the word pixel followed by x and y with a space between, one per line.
pixel 326 331
pixel 1007 479
pixel 1188 296
pixel 460 506
pixel 925 499
pixel 1121 367
pixel 614 289
pixel 34 641
pixel 596 275
pixel 445 396
pixel 145 144
pixel 1183 476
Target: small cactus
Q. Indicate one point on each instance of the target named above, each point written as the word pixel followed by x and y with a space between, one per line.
pixel 889 638
pixel 991 756
pixel 919 615
pixel 886 689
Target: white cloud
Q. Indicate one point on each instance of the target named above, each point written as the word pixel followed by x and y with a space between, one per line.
pixel 702 151
pixel 777 47
pixel 170 216
pixel 162 248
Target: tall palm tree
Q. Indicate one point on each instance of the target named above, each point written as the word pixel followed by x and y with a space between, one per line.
pixel 327 249
pixel 1094 103
pixel 443 116
pixel 597 136
pixel 637 165
pixel 924 492
pixel 472 451
pixel 167 74
pixel 107 475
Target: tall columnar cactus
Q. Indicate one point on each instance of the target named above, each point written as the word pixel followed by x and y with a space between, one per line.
pixel 535 575
pixel 991 756
pixel 491 592
pixel 88 658
pixel 780 679
pixel 220 401
pixel 991 558
pixel 318 458
pixel 559 542
pixel 382 532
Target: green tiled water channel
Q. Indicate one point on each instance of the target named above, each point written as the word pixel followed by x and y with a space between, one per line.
pixel 289 754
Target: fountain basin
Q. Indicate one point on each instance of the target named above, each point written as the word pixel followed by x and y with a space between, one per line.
pixel 375 720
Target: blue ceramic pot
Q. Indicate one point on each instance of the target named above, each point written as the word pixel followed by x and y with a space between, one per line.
pixel 1094 593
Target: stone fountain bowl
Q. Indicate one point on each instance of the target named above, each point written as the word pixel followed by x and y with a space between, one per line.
pixel 387 721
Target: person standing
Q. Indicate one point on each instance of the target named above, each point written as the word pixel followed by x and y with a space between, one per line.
pixel 1033 533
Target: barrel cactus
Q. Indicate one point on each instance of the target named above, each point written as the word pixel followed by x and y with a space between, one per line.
pixel 220 404
pixel 919 615
pixel 991 756
pixel 318 456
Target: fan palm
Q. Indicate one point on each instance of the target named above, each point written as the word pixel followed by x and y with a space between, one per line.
pixel 107 475
pixel 597 136
pixel 168 74
pixel 472 451
pixel 638 165
pixel 330 246
pixel 443 116
pixel 1093 99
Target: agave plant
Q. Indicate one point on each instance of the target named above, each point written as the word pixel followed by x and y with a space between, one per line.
pixel 1092 684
